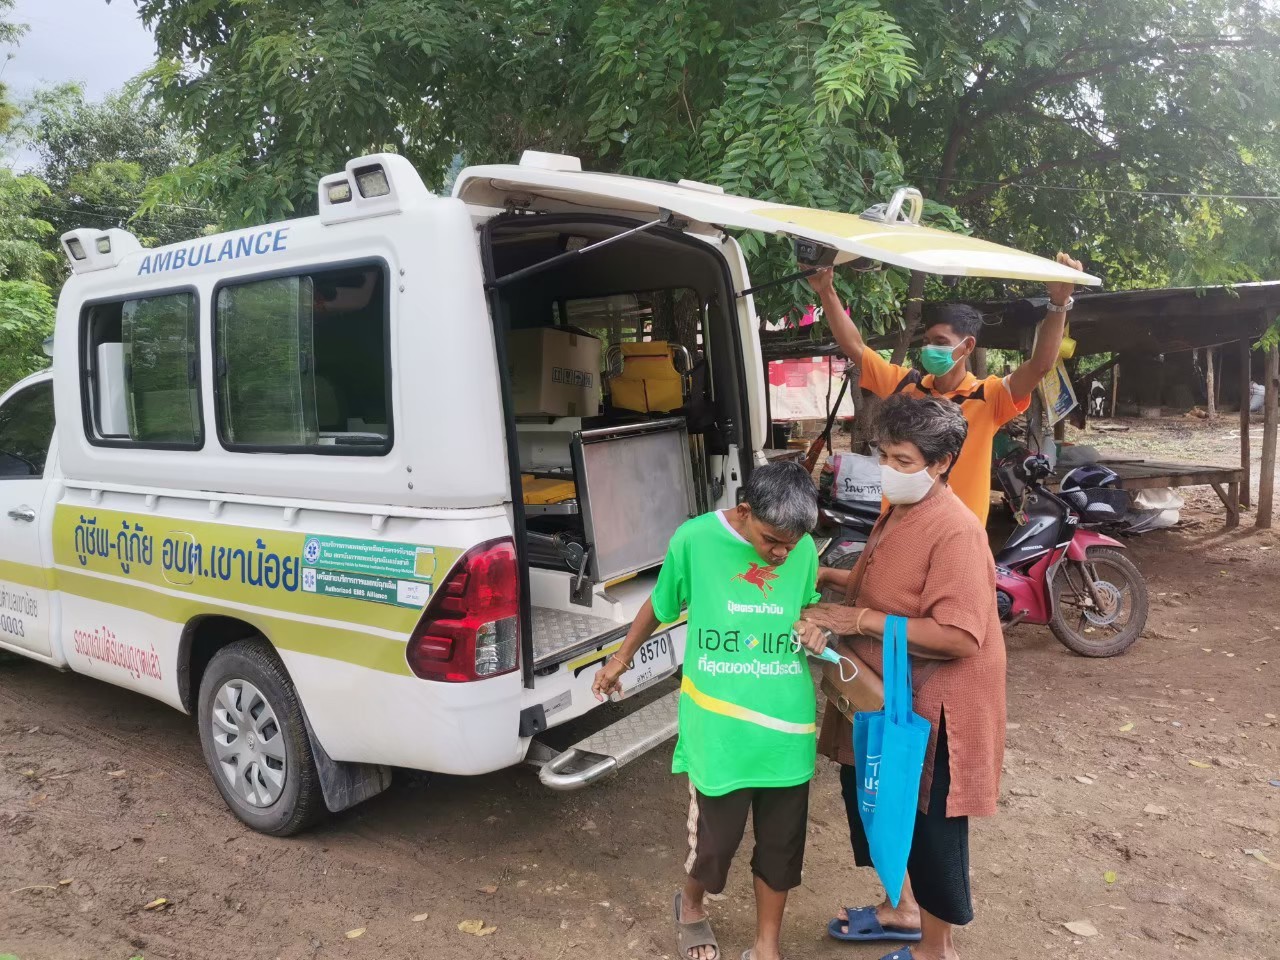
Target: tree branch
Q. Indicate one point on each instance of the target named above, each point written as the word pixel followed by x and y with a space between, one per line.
pixel 984 191
pixel 1128 56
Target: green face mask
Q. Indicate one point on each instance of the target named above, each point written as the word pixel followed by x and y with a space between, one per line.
pixel 937 360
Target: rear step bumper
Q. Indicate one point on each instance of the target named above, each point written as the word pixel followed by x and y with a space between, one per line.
pixel 602 754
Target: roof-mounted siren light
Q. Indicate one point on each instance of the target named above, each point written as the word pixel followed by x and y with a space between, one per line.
pixel 372 186
pixel 537 160
pixel 891 212
pixel 89 250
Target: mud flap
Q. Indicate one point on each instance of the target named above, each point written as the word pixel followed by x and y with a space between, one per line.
pixel 345 784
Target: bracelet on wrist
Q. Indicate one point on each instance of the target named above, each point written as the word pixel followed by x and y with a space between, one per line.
pixel 1052 307
pixel 623 663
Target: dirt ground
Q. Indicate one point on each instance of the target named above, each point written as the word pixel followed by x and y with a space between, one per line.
pixel 1141 795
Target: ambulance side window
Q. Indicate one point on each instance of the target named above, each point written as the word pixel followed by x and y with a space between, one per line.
pixel 141 372
pixel 303 363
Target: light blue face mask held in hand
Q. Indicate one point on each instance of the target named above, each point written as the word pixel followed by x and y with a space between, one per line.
pixel 829 654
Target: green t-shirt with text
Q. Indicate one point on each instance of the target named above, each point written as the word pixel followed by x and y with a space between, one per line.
pixel 747 700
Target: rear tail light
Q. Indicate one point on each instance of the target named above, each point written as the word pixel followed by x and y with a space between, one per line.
pixel 470 627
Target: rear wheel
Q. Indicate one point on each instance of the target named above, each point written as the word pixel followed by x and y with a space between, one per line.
pixel 255 742
pixel 1106 620
pixel 845 561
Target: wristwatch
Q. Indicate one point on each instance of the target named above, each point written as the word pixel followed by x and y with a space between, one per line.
pixel 1052 307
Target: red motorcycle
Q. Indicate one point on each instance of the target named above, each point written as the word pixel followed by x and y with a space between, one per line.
pixel 1054 571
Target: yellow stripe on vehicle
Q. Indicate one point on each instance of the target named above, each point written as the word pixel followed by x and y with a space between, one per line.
pixel 26 575
pixel 725 708
pixel 347 645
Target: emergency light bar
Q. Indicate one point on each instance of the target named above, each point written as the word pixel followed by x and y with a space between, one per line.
pixel 373 186
pixel 90 250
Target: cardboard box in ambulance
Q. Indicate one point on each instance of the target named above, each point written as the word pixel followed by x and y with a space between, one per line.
pixel 356 490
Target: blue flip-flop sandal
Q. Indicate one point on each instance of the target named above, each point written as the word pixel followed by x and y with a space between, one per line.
pixel 864 927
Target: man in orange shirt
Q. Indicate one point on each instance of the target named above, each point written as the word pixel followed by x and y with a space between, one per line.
pixel 950 337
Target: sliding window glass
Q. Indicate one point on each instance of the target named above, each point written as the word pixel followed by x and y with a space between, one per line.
pixel 303 365
pixel 142 372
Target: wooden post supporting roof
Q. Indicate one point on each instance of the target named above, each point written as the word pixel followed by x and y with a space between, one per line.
pixel 1246 494
pixel 1267 470
pixel 1210 386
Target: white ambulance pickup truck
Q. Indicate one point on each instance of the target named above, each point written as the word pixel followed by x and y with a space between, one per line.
pixel 325 485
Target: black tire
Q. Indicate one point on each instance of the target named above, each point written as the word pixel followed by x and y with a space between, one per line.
pixel 1117 569
pixel 845 561
pixel 300 802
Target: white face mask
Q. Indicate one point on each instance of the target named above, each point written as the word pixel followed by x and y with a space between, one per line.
pixel 899 487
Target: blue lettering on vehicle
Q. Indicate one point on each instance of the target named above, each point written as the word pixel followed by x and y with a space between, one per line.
pixel 257 244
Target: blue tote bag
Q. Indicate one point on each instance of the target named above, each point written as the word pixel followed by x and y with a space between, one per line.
pixel 889 746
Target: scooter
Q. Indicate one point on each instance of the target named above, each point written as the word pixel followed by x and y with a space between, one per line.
pixel 1054 571
pixel 1051 571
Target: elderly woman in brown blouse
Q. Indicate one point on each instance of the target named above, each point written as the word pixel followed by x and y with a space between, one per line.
pixel 928 560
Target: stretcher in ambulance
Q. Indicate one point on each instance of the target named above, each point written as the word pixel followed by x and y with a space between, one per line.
pixel 382 487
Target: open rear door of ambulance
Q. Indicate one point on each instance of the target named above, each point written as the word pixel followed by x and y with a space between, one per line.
pixel 887 234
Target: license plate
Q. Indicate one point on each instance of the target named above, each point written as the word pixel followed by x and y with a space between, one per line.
pixel 654 661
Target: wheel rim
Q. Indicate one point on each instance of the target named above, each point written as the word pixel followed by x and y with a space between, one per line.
pixel 249 743
pixel 1111 606
pixel 1095 625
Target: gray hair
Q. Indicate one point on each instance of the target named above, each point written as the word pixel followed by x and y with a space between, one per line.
pixel 783 495
pixel 936 427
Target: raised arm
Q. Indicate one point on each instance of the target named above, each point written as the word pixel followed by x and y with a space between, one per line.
pixel 1048 338
pixel 842 327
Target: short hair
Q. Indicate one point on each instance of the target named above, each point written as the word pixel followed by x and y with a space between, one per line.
pixel 960 317
pixel 936 427
pixel 783 495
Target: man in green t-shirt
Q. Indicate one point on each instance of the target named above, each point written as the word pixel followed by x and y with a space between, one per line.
pixel 747 734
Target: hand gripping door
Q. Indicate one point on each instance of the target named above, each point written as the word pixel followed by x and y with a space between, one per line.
pixel 889 747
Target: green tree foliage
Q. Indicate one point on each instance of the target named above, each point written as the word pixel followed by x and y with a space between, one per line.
pixel 26 305
pixel 98 158
pixel 10 33
pixel 1153 96
pixel 26 319
pixel 983 103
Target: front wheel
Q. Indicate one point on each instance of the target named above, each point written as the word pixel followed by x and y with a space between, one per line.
pixel 255 741
pixel 1100 605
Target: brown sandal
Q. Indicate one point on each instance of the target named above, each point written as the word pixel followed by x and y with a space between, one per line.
pixel 690 936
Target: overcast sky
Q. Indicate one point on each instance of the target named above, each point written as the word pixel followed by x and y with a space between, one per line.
pixel 96 44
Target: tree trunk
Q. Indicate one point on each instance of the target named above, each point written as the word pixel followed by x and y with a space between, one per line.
pixel 1246 490
pixel 910 316
pixel 1211 398
pixel 979 365
pixel 1267 470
